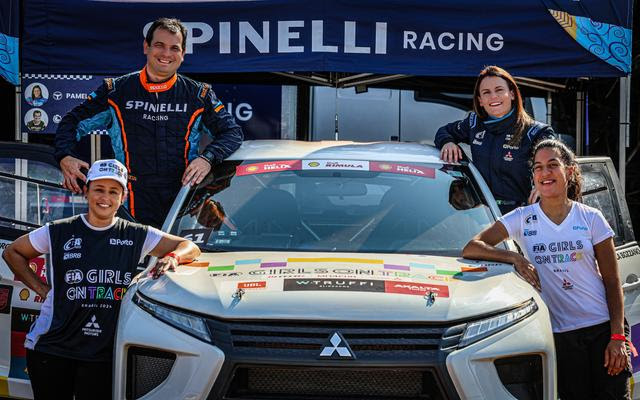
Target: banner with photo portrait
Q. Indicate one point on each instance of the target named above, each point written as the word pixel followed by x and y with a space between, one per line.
pixel 47 98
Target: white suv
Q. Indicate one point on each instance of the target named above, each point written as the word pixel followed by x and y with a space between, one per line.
pixel 333 270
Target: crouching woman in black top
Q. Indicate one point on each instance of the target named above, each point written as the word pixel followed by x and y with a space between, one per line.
pixel 92 259
pixel 501 135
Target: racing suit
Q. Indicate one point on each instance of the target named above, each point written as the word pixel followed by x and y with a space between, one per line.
pixel 155 130
pixel 504 167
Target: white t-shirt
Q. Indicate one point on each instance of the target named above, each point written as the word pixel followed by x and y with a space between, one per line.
pixel 563 255
pixel 39 238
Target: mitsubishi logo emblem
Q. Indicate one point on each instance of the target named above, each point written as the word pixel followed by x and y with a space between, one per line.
pixel 92 323
pixel 337 348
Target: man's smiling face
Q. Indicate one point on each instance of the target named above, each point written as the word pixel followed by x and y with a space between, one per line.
pixel 164 55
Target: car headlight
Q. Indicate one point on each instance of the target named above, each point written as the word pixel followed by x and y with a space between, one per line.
pixel 486 327
pixel 188 323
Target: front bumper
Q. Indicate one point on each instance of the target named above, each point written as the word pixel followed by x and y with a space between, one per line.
pixel 281 360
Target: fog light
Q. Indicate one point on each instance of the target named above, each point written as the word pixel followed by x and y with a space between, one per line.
pixel 521 376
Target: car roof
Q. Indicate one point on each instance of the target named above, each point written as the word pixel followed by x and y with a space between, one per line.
pixel 336 150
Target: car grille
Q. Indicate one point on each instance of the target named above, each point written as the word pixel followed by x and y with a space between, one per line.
pixel 146 369
pixel 368 341
pixel 267 382
pixel 269 360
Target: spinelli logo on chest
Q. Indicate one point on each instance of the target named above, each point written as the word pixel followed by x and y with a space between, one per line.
pixel 156 107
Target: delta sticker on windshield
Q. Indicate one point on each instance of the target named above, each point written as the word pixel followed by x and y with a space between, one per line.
pixel 265 167
pixel 403 169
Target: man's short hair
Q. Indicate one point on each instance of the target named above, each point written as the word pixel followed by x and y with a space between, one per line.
pixel 38 112
pixel 172 25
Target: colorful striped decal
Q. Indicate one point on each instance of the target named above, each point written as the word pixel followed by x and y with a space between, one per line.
pixel 397 267
pixel 420 265
pixel 336 259
pixel 273 264
pixel 474 269
pixel 222 268
pixel 247 262
pixel 394 267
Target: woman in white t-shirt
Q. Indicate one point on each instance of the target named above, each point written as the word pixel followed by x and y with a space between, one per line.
pixel 570 257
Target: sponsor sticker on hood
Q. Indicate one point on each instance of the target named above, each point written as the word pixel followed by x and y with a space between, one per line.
pixel 339 268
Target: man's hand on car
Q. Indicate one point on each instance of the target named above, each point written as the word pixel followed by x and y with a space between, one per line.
pixel 70 167
pixel 196 171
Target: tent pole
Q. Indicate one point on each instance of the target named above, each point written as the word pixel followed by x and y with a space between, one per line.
pixel 579 122
pixel 623 140
pixel 18 128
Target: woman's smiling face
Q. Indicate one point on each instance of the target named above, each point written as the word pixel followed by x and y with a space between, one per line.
pixel 550 173
pixel 495 96
pixel 104 197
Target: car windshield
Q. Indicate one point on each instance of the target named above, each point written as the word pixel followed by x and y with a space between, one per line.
pixel 335 206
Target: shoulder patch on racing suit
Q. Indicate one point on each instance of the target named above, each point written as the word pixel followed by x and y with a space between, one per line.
pixel 204 90
pixel 472 119
pixel 108 82
pixel 531 133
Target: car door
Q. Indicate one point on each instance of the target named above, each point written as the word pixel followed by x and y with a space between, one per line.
pixel 30 196
pixel 602 190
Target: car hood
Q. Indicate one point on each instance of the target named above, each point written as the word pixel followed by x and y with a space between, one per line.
pixel 330 286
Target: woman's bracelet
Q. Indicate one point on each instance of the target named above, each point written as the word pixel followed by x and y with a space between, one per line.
pixel 177 257
pixel 623 338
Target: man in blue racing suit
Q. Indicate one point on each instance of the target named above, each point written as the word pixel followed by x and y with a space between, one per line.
pixel 155 119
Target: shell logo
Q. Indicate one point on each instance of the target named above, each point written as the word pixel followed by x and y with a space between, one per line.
pixel 314 164
pixel 24 294
pixel 385 167
pixel 252 168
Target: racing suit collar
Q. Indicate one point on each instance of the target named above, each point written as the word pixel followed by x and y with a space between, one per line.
pixel 154 87
pixel 492 120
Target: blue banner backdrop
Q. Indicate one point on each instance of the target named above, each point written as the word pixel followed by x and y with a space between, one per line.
pixel 438 38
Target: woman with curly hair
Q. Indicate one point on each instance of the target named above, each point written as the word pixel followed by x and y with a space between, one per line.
pixel 570 257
